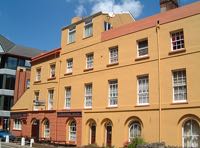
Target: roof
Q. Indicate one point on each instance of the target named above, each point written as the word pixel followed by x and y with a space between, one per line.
pixel 46 54
pixel 11 48
pixel 149 22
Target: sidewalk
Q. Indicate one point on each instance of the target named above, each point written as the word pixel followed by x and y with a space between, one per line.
pixel 12 145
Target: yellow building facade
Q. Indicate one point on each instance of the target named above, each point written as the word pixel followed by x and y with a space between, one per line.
pixel 115 79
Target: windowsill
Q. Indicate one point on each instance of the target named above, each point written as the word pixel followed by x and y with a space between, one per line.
pixel 143 105
pixel 71 43
pixel 53 78
pixel 142 58
pixel 112 64
pixel 71 142
pixel 177 51
pixel 179 102
pixel 110 107
pixel 17 129
pixel 69 73
pixel 87 37
pixel 87 69
pixel 87 108
pixel 37 82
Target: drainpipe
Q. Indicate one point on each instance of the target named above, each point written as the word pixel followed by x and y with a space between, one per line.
pixel 159 88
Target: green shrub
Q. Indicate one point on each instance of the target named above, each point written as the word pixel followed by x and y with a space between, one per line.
pixel 135 142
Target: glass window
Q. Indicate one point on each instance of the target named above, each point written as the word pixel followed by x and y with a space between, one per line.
pixel 38 74
pixel 27 83
pixel 72 131
pixel 11 63
pixel 107 26
pixel 88 95
pixel 21 62
pixel 142 47
pixel 69 65
pixel 143 90
pixel 1 81
pixel 46 129
pixel 36 99
pixel 179 85
pixel 177 40
pixel 72 34
pixel 88 28
pixel 27 63
pixel 7 102
pixel 113 93
pixel 10 82
pixel 67 97
pixel 89 58
pixel 191 134
pixel 113 55
pixel 134 130
pixel 50 99
pixel 52 70
pixel 17 124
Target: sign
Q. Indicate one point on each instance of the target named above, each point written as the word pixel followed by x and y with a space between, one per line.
pixel 18 115
pixel 69 114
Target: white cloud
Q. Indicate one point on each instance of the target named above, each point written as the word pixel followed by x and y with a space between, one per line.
pixel 80 10
pixel 116 6
pixel 133 6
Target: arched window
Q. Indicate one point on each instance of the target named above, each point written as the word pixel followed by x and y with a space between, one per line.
pixel 72 131
pixel 191 134
pixel 92 133
pixel 134 130
pixel 46 129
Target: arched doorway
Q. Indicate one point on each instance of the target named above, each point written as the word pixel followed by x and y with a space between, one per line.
pixel 46 128
pixel 92 133
pixel 108 133
pixel 35 129
pixel 191 134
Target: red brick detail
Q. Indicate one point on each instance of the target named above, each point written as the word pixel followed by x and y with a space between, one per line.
pixel 58 126
pixel 149 22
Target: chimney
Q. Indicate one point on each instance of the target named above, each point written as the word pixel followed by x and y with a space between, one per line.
pixel 75 19
pixel 166 5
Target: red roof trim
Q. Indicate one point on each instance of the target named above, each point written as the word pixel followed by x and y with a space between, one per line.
pixel 149 22
pixel 46 54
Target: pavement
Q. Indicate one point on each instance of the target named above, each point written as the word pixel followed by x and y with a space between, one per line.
pixel 11 145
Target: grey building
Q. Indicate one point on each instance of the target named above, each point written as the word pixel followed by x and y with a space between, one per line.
pixel 11 56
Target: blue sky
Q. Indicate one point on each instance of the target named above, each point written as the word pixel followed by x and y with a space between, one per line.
pixel 38 23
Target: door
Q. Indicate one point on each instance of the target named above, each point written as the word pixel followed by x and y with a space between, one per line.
pixel 93 134
pixel 109 135
pixel 35 130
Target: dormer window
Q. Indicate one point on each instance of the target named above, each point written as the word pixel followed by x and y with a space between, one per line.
pixel 107 26
pixel 71 34
pixel 88 28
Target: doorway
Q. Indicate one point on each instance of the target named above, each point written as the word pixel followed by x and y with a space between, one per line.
pixel 35 129
pixel 93 133
pixel 108 127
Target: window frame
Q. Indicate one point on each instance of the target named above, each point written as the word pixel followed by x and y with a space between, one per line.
pixel 173 86
pixel 46 132
pixel 88 96
pixel 36 98
pixel 171 41
pixel 68 97
pixel 139 77
pixel 72 131
pixel 146 47
pixel 52 70
pixel 113 57
pixel 113 93
pixel 50 99
pixel 129 129
pixel 89 60
pixel 88 24
pixel 69 68
pixel 17 124
pixel 71 31
pixel 38 74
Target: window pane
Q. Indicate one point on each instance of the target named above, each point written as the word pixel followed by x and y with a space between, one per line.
pixel 143 90
pixel 177 39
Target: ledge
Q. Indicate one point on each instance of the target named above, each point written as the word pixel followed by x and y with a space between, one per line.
pixel 112 64
pixel 177 51
pixel 35 82
pixel 142 58
pixel 177 103
pixel 71 43
pixel 111 107
pixel 87 37
pixel 88 69
pixel 53 78
pixel 142 105
pixel 89 108
pixel 69 73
